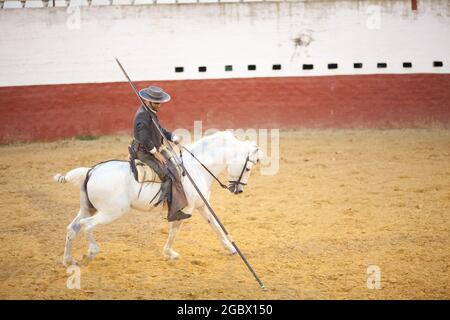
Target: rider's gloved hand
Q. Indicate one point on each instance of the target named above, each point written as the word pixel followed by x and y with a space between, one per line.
pixel 177 139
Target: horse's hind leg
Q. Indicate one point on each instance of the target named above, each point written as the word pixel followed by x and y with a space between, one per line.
pixel 72 230
pixel 89 224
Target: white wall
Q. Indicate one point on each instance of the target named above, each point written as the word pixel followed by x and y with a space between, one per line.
pixel 77 45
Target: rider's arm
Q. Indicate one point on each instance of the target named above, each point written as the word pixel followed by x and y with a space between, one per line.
pixel 169 135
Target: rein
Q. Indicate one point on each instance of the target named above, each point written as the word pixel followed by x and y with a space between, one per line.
pixel 209 171
pixel 233 183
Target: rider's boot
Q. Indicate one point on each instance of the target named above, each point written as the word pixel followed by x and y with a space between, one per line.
pixel 179 215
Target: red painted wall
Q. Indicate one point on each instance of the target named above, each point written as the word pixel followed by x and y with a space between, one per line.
pixel 390 101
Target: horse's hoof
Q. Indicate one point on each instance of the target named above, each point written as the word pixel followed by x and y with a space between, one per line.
pixel 231 250
pixel 172 255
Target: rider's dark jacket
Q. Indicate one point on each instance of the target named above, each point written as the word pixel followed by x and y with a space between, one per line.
pixel 145 131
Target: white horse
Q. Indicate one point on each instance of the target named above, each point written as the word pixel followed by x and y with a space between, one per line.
pixel 113 191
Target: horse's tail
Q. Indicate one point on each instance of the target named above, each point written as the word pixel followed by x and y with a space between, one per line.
pixel 76 176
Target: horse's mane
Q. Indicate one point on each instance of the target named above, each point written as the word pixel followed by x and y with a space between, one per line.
pixel 209 139
pixel 204 146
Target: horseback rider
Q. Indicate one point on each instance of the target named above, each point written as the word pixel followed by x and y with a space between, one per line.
pixel 147 147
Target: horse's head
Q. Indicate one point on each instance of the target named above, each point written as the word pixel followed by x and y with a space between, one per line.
pixel 245 156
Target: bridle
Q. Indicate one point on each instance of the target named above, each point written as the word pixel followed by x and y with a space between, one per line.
pixel 233 184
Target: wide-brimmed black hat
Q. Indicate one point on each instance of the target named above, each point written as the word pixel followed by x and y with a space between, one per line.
pixel 154 94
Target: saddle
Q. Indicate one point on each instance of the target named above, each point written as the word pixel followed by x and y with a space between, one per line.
pixel 142 172
pixel 145 173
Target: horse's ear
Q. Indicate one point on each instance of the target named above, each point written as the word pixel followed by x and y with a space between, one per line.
pixel 261 155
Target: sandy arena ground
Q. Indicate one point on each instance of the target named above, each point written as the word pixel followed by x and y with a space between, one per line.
pixel 343 200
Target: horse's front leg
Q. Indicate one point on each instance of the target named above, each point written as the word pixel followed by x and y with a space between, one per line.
pixel 217 229
pixel 168 251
